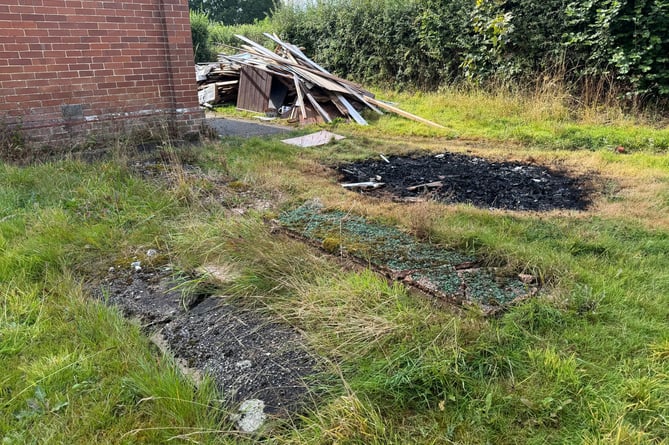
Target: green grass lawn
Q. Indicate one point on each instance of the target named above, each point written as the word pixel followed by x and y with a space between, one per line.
pixel 539 119
pixel 587 361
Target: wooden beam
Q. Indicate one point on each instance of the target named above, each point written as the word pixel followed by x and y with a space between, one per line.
pixel 402 112
pixel 300 97
pixel 317 106
pixel 297 52
pixel 434 184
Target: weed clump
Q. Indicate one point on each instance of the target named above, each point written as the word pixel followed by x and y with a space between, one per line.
pixel 331 245
pixel 12 142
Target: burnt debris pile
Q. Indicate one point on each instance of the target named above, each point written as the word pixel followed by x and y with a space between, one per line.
pixel 458 178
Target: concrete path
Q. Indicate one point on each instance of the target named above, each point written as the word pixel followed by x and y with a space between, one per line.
pixel 244 128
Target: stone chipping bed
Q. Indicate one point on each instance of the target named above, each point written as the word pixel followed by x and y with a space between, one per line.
pixel 447 274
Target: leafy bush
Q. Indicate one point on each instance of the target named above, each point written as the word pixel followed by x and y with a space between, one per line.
pixel 490 30
pixel 429 43
pixel 443 36
pixel 223 38
pixel 372 41
pixel 199 26
pixel 627 39
pixel 513 40
pixel 535 42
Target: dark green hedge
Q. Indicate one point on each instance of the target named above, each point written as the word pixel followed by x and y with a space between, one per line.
pixel 375 40
pixel 199 28
pixel 428 43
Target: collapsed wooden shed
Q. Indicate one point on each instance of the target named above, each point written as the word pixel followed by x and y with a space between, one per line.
pixel 286 83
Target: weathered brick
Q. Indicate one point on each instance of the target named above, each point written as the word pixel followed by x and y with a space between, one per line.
pixel 108 56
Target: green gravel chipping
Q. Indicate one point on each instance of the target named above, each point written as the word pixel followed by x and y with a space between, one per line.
pixel 403 255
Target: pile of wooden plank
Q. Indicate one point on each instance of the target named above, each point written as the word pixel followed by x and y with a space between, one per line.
pixel 218 82
pixel 286 83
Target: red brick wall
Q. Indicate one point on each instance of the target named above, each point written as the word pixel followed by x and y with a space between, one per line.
pixel 67 66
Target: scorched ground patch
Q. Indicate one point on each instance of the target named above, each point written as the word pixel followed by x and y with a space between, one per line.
pixel 458 178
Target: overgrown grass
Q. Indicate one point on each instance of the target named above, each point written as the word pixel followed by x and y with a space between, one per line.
pixel 223 37
pixel 581 363
pixel 543 119
pixel 585 362
pixel 75 370
pixel 537 118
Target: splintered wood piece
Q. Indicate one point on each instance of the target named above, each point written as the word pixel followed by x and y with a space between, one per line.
pixel 351 111
pixel 434 184
pixel 363 185
pixel 346 109
pixel 317 106
pixel 401 112
pixel 300 97
pixel 335 101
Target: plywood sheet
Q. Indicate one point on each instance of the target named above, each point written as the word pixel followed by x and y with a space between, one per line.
pixel 254 89
pixel 314 140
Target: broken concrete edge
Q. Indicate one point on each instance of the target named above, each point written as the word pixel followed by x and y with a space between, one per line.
pixel 194 375
pixel 422 286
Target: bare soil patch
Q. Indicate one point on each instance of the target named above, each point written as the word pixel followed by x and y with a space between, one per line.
pixel 458 178
pixel 247 354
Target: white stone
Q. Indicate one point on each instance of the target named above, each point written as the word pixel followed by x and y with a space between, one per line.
pixel 243 364
pixel 252 415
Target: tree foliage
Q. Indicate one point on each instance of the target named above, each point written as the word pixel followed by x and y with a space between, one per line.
pixel 233 12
